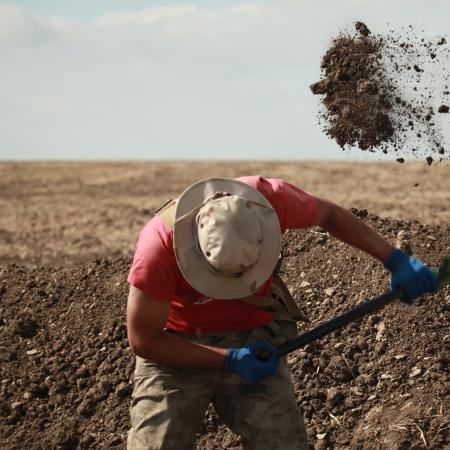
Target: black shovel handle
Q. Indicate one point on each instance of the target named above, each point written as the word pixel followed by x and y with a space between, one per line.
pixel 339 321
pixel 367 307
pixel 333 324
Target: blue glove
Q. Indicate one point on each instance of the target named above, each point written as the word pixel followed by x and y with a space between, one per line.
pixel 245 362
pixel 410 274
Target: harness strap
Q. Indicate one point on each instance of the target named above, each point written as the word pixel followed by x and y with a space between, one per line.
pixel 287 299
pixel 166 213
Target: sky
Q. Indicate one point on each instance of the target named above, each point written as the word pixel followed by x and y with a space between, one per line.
pixel 142 79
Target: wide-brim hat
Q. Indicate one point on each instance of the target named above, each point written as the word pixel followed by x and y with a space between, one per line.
pixel 192 262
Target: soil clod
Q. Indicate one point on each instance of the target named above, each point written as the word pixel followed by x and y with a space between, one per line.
pixel 362 28
pixel 378 88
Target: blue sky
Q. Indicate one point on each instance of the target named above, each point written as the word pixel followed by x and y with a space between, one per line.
pixel 140 79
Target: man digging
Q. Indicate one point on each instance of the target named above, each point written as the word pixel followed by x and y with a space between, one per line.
pixel 205 304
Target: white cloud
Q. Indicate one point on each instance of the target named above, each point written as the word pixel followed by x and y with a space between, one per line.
pixel 145 17
pixel 18 28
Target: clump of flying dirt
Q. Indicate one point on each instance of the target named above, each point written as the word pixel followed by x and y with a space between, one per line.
pixel 356 92
pixel 385 92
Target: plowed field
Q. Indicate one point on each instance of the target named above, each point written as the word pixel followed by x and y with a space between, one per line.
pixel 67 232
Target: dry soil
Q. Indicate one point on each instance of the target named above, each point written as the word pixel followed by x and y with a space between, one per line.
pixel 67 233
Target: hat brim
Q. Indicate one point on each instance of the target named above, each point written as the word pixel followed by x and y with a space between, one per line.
pixel 191 262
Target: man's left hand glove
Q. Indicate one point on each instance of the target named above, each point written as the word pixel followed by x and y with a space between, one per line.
pixel 248 365
pixel 410 274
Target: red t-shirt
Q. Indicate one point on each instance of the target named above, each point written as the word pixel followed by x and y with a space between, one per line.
pixel 155 271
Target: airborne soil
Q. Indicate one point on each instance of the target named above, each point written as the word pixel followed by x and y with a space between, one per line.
pixel 67 233
pixel 381 92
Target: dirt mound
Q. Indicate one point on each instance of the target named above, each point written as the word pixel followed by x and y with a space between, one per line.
pixel 382 92
pixel 66 369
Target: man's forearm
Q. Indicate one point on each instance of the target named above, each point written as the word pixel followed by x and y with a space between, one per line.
pixel 346 227
pixel 178 352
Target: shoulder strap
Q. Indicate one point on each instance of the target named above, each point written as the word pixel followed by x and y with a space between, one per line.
pixel 166 212
pixel 258 300
pixel 280 289
pixel 280 300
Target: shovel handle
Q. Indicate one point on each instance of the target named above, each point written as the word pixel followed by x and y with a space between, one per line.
pixel 443 273
pixel 367 307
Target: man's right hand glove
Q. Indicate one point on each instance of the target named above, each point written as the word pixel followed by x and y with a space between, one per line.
pixel 410 274
pixel 245 362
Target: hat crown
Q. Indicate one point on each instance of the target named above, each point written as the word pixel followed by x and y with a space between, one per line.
pixel 229 234
pixel 207 276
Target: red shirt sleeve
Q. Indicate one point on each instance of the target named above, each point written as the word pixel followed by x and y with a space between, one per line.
pixel 295 207
pixel 154 270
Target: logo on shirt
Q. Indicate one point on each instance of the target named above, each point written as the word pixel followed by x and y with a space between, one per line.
pixel 203 300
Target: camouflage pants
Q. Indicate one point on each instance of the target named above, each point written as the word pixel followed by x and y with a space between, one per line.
pixel 168 405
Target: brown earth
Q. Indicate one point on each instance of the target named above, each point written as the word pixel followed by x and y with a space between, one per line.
pixel 379 92
pixel 61 213
pixel 357 92
pixel 67 235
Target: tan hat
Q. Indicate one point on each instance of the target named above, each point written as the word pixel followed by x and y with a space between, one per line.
pixel 227 238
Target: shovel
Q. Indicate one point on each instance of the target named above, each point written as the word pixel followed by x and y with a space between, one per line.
pixel 367 307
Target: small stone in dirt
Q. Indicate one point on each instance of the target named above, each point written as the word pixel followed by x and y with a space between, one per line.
pixel 400 357
pixel 400 160
pixel 415 372
pixel 416 184
pixel 330 291
pixel 32 352
pixel 381 327
pixel 429 160
pixel 443 109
